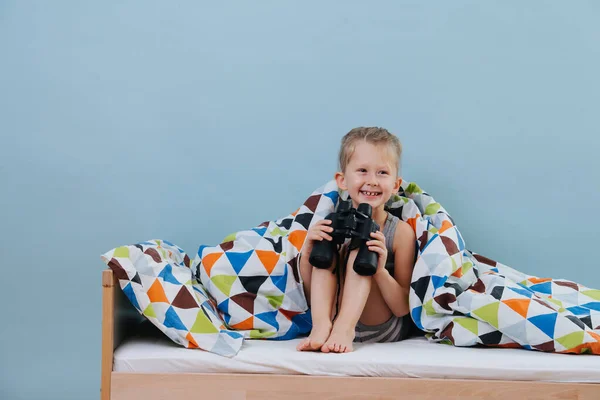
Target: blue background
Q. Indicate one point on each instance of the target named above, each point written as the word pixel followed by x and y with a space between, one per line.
pixel 187 121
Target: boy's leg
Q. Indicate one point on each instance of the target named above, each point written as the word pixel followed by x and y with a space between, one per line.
pixel 355 293
pixel 323 284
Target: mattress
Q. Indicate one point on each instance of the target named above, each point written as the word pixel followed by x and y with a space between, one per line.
pixel 414 358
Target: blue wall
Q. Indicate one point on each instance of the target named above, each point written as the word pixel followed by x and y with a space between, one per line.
pixel 131 121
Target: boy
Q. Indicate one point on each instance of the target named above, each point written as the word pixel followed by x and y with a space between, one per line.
pixel 371 308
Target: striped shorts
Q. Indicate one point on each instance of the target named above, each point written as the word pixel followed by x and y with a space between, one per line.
pixel 392 330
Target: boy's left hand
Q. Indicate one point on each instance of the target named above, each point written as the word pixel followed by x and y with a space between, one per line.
pixel 377 244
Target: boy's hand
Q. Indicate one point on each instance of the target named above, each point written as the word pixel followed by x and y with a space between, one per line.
pixel 317 232
pixel 377 244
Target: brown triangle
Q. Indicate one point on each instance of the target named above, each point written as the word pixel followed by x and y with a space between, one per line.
pixel 184 299
pixel 449 244
pixel 485 260
pixel 289 314
pixel 312 202
pixel 227 245
pixel 154 254
pixel 245 300
pixel 548 346
pixel 294 264
pixel 117 269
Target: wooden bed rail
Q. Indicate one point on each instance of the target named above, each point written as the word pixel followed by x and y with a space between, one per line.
pixel 119 319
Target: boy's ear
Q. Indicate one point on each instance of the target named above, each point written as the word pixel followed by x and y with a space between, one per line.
pixel 340 180
pixel 397 184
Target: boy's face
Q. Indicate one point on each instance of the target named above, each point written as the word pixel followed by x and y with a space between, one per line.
pixel 371 175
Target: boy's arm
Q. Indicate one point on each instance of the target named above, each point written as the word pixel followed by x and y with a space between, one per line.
pixel 395 289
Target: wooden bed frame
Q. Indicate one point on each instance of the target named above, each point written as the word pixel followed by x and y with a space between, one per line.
pixel 119 319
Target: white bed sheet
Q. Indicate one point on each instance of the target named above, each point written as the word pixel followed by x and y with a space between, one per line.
pixel 415 358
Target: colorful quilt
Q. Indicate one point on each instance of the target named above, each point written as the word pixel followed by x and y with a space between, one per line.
pixel 248 286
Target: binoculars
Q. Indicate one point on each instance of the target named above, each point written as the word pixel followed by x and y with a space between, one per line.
pixel 355 224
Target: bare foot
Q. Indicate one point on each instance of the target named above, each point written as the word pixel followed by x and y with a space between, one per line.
pixel 317 337
pixel 339 341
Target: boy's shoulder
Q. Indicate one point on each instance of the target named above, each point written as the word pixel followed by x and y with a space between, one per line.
pixel 404 234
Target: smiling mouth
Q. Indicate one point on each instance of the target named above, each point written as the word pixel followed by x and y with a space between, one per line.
pixel 370 194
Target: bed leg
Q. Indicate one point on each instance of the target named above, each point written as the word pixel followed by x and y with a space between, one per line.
pixel 108 301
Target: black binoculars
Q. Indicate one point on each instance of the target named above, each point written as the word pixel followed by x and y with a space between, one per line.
pixel 355 224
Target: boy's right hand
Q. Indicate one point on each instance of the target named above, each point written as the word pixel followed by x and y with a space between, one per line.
pixel 319 231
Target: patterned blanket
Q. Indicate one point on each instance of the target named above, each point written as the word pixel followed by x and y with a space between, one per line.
pixel 249 286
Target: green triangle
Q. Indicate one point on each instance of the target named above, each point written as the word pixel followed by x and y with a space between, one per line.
pixel 224 282
pixel 454 265
pixel 230 237
pixel 593 293
pixel 432 229
pixel 258 334
pixel 489 313
pixel 276 231
pixel 203 324
pixel 469 324
pixel 275 301
pixel 413 188
pixel 121 252
pixel 429 308
pixel 149 311
pixel 571 340
pixel 432 208
pixel 466 267
pixel 553 300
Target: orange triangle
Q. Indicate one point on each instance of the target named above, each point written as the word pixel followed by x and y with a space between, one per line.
pixel 209 260
pixel 156 293
pixel 268 258
pixel 445 225
pixel 413 223
pixel 295 212
pixel 458 273
pixel 519 305
pixel 533 279
pixel 246 324
pixel 192 344
pixel 296 238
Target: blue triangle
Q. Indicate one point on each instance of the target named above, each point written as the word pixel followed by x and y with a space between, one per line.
pixel 522 292
pixel 580 310
pixel 280 280
pixel 291 333
pixel 461 242
pixel 167 275
pixel 224 306
pixel 172 320
pixel 269 318
pixel 545 322
pixel 303 322
pixel 238 260
pixel 128 290
pixel 593 305
pixel 438 281
pixel 201 249
pixel 261 231
pixel 227 318
pixel 545 288
pixel 416 316
pixel 233 334
pixel 333 195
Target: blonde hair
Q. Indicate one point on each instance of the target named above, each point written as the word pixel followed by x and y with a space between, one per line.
pixel 373 135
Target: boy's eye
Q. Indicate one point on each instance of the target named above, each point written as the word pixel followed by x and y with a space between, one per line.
pixel 383 172
pixel 362 170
